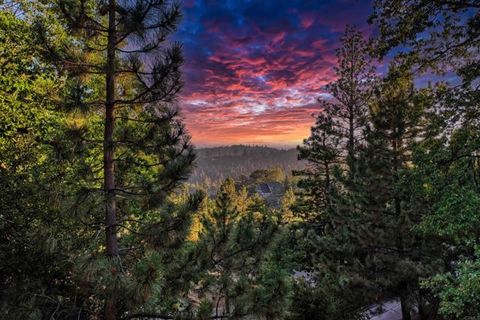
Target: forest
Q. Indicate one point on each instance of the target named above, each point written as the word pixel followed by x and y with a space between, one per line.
pixel 106 211
pixel 238 161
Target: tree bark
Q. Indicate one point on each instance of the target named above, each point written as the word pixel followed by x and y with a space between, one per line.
pixel 108 157
pixel 404 305
pixel 351 134
pixel 422 311
pixel 398 212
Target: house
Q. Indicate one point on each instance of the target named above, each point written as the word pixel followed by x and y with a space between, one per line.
pixel 272 192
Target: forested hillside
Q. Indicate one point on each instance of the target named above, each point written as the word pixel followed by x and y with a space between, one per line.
pixel 216 164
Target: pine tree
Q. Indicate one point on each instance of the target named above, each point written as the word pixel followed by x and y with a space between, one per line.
pixel 444 168
pixel 332 151
pixel 371 236
pixel 338 131
pixel 388 222
pixel 323 155
pixel 351 92
pixel 365 249
pixel 240 258
pixel 122 78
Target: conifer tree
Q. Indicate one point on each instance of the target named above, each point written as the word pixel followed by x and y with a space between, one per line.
pixel 350 92
pixel 385 221
pixel 365 249
pixel 338 131
pixel 240 258
pixel 331 152
pixel 323 155
pixel 34 259
pixel 449 41
pixel 369 241
pixel 122 77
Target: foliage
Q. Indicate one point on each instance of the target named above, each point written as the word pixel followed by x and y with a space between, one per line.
pixel 35 239
pixel 213 165
pixel 449 28
pixel 239 253
pixel 51 147
pixel 332 153
pixel 444 170
pixel 363 239
pixel 458 294
pixel 91 142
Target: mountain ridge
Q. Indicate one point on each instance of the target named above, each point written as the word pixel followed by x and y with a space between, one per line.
pixel 218 163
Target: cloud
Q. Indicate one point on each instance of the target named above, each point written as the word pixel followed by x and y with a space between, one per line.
pixel 254 68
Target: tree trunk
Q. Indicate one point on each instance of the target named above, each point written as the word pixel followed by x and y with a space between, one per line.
pixel 422 309
pixel 108 158
pixel 351 135
pixel 404 305
pixel 327 182
pixel 398 212
pixel 227 305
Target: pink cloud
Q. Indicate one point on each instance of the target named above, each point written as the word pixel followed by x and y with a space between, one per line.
pixel 307 20
pixel 259 89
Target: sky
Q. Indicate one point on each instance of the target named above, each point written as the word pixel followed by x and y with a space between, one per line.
pixel 255 68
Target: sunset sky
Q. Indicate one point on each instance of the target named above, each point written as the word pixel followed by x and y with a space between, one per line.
pixel 254 68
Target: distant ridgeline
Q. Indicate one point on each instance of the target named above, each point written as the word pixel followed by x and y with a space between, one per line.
pixel 239 161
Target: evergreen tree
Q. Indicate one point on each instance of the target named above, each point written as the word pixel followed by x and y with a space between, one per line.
pixel 243 274
pixel 350 92
pixel 338 132
pixel 366 250
pixel 332 152
pixel 444 171
pixel 34 241
pixel 323 155
pixel 382 225
pixel 121 78
pixel 275 174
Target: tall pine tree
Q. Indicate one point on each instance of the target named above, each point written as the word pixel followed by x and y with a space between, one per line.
pixel 332 153
pixel 338 132
pixel 389 250
pixel 122 77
